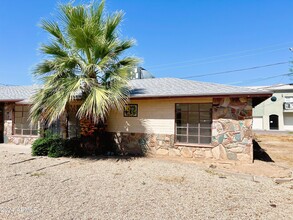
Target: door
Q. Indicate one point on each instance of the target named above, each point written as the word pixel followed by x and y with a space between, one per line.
pixel 1 123
pixel 274 122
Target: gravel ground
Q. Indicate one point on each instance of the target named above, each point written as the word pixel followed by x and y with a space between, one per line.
pixel 139 188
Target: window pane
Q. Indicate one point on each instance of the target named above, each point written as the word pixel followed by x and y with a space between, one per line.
pixel 192 139
pixel 205 107
pixel 34 132
pixel 25 114
pixel 24 121
pixel 205 116
pixel 193 107
pixel 193 117
pixel 17 120
pixel 193 131
pixel 26 108
pixel 182 116
pixel 181 107
pixel 182 131
pixel 205 140
pixel 26 132
pixel 179 123
pixel 18 114
pixel 205 125
pixel 181 138
pixel 17 131
pixel 18 108
pixel 205 132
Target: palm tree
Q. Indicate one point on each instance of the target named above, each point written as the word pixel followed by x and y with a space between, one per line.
pixel 83 64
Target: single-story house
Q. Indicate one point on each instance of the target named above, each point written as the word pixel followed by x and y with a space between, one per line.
pixel 165 116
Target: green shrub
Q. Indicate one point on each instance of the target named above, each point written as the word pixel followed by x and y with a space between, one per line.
pixel 57 147
pixel 40 147
pixel 73 147
pixel 49 145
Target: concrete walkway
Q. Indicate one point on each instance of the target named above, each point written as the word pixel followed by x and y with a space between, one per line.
pixel 13 148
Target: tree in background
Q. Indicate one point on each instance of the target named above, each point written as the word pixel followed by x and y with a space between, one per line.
pixel 83 64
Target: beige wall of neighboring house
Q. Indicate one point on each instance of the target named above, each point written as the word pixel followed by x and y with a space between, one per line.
pixel 272 113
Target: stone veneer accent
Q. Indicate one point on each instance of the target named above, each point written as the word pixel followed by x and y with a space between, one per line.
pixel 231 136
pixel 232 129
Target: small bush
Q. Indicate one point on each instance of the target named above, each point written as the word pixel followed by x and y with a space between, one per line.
pixel 73 147
pixel 50 145
pixel 40 147
pixel 57 147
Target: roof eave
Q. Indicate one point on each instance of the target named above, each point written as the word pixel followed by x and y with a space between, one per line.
pixel 250 95
pixel 11 100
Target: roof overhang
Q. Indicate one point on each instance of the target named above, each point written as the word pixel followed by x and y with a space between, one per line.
pixel 257 95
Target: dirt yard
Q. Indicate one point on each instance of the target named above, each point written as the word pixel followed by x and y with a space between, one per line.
pixel 138 188
pixel 278 146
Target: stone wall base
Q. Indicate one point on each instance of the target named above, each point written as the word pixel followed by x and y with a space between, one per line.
pixel 163 145
pixel 22 140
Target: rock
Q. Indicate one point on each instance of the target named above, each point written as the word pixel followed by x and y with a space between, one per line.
pixel 223 154
pixel 199 153
pixel 216 152
pixel 243 99
pixel 236 149
pixel 208 154
pixel 244 158
pixel 248 123
pixel 167 138
pixel 186 152
pixel 174 152
pixel 283 180
pixel 162 152
pixel 231 155
pixel 220 139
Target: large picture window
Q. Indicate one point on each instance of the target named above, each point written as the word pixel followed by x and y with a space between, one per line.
pixel 193 123
pixel 22 125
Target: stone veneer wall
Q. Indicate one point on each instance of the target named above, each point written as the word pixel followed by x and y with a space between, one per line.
pixel 232 129
pixel 8 128
pixel 231 136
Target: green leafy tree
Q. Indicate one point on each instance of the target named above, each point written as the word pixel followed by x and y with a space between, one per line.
pixel 83 64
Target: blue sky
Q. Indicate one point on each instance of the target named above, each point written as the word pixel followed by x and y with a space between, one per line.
pixel 174 38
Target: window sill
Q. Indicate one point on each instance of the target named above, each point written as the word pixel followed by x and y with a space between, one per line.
pixel 20 135
pixel 194 145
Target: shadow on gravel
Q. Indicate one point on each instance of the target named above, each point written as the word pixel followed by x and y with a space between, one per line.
pixel 117 158
pixel 259 153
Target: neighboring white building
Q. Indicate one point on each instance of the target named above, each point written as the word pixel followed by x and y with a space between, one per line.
pixel 275 113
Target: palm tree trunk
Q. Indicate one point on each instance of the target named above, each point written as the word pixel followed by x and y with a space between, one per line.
pixel 64 125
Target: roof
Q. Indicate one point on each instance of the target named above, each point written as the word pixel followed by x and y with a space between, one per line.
pixel 279 87
pixel 173 87
pixel 17 93
pixel 149 88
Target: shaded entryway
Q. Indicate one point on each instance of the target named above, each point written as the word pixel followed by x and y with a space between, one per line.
pixel 1 123
pixel 274 122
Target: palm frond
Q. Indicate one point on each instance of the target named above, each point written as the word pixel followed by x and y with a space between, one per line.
pixel 84 61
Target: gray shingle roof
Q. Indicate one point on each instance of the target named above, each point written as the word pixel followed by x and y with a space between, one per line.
pixel 147 88
pixel 172 87
pixel 17 93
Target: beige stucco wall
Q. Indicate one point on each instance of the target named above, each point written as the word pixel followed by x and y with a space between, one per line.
pixel 153 130
pixel 155 116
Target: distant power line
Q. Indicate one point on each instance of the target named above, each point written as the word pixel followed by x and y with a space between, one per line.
pixel 193 62
pixel 236 70
pixel 259 79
